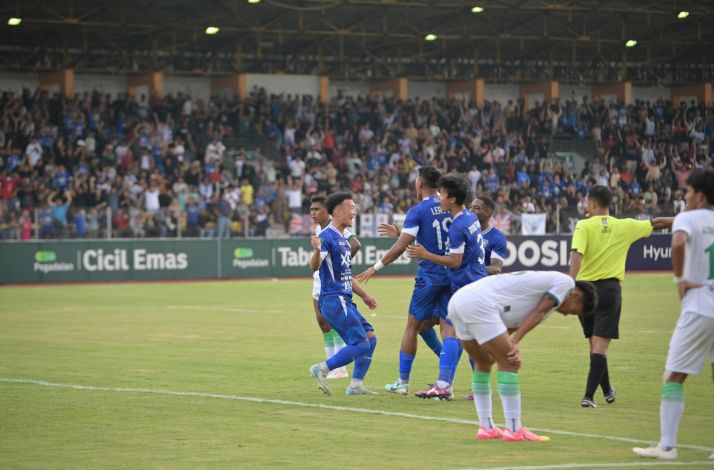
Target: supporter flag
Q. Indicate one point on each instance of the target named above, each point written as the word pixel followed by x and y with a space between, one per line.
pixel 532 224
pixel 502 221
pixel 296 225
pixel 368 224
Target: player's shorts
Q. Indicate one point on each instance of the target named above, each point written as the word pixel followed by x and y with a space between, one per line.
pixel 342 315
pixel 605 320
pixel 691 344
pixel 316 286
pixel 474 319
pixel 429 300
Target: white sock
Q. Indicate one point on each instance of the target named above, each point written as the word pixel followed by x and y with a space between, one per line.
pixel 442 384
pixel 483 401
pixel 670 413
pixel 510 393
pixel 324 368
pixel 354 383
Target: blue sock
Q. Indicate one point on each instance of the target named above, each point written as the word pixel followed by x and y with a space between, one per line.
pixel 405 365
pixel 432 340
pixel 447 359
pixel 363 362
pixel 456 364
pixel 347 354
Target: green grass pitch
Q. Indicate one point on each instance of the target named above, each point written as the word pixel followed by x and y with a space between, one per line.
pixel 136 348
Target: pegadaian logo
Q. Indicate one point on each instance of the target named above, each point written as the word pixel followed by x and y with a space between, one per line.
pixel 243 259
pixel 46 262
pixel 243 253
pixel 45 256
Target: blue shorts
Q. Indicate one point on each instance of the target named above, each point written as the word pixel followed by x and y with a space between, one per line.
pixel 428 300
pixel 342 315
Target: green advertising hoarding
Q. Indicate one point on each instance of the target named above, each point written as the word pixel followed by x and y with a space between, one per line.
pixel 128 260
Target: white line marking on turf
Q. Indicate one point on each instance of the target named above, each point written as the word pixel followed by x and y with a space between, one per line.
pixel 320 406
pixel 641 464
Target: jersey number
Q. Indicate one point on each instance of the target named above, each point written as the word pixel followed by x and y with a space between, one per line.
pixel 710 250
pixel 438 227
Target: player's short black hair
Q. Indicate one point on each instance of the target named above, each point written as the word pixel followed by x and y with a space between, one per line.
pixel 590 298
pixel 335 199
pixel 488 202
pixel 601 195
pixel 429 176
pixel 702 180
pixel 318 198
pixel 456 186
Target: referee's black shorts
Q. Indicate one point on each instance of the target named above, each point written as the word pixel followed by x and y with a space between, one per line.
pixel 605 320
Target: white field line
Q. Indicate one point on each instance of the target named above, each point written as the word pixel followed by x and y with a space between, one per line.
pixel 641 464
pixel 319 406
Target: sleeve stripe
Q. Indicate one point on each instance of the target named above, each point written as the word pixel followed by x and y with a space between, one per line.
pixel 495 255
pixel 458 250
pixel 411 231
pixel 553 298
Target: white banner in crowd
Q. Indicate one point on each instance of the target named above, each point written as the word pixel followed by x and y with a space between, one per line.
pixel 368 224
pixel 532 224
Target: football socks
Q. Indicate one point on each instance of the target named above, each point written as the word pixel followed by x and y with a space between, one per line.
pixel 481 386
pixel 432 340
pixel 363 362
pixel 405 366
pixel 510 392
pixel 598 362
pixel 670 413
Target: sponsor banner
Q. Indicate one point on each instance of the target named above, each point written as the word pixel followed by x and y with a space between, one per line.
pixel 124 260
pixel 107 261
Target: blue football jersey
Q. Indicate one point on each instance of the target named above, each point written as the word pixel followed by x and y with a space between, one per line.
pixel 430 226
pixel 465 237
pixel 336 264
pixel 495 245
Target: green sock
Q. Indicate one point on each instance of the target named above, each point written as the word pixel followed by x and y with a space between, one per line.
pixel 670 413
pixel 329 344
pixel 337 340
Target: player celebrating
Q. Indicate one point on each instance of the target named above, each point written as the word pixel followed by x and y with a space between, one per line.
pixel 693 339
pixel 482 314
pixel 428 224
pixel 333 342
pixel 464 263
pixel 494 242
pixel 332 257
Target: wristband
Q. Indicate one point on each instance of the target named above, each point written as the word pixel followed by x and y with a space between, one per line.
pixel 677 279
pixel 378 265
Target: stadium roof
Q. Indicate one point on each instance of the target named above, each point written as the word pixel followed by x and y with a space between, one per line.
pixel 581 41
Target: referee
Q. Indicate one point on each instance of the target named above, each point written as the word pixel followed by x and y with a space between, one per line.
pixel 599 251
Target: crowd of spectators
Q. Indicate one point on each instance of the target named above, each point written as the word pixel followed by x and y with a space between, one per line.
pixel 74 166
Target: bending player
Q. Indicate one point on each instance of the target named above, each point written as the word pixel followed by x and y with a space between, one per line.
pixel 483 312
pixel 332 257
pixel 428 224
pixel 333 342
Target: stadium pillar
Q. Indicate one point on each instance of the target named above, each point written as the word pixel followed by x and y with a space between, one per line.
pixel 550 89
pixel 324 88
pixel 62 78
pixel 235 84
pixel 621 90
pixel 472 87
pixel 398 87
pixel 154 81
pixel 702 91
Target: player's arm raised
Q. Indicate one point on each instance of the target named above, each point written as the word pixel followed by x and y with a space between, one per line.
pixel 394 252
pixel 536 316
pixel 451 261
pixel 316 258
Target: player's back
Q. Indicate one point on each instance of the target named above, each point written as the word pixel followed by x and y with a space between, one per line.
pixel 430 226
pixel 698 224
pixel 336 266
pixel 516 294
pixel 465 237
pixel 494 242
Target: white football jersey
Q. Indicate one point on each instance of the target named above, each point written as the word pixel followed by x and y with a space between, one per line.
pixel 515 295
pixel 698 224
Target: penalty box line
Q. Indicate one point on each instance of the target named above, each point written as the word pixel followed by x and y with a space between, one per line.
pixel 350 409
